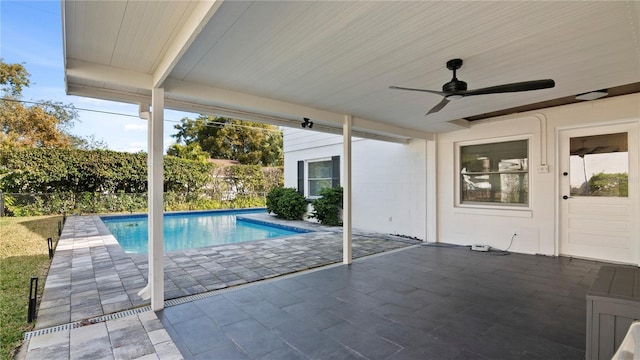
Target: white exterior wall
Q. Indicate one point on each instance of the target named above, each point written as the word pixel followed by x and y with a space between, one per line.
pixel 388 181
pixel 536 227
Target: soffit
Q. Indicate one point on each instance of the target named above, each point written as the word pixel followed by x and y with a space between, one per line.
pixel 340 57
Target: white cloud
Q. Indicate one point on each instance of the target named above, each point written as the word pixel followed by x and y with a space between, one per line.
pixel 135 127
pixel 133 147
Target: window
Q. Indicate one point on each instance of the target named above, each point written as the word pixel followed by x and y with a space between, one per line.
pixel 599 165
pixel 319 176
pixel 495 173
pixel 315 175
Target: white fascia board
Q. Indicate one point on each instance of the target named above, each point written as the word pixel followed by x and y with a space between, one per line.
pixel 114 95
pixel 82 70
pixel 212 96
pixel 221 98
pixel 107 94
pixel 276 120
pixel 199 18
pixel 63 11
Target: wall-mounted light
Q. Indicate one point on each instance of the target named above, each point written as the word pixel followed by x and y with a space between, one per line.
pixel 306 123
pixel 592 95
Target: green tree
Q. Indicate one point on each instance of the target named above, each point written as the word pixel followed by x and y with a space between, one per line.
pixel 191 151
pixel 41 125
pixel 13 77
pixel 45 124
pixel 88 143
pixel 224 138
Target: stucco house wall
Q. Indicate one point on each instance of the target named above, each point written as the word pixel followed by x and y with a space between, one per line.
pixel 388 179
pixel 536 226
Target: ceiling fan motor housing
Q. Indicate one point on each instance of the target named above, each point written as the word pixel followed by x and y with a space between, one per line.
pixel 454 86
pixel 454 64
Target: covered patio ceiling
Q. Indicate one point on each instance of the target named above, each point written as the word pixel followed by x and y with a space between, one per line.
pixel 280 61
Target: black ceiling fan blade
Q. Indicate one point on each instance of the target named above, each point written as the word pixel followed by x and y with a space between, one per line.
pixel 513 87
pixel 421 90
pixel 438 107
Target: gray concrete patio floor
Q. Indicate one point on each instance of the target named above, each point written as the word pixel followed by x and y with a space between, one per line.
pixel 91 276
pixel 423 302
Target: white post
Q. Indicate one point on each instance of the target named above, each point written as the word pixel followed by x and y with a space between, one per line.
pixel 346 187
pixel 155 199
pixel 432 193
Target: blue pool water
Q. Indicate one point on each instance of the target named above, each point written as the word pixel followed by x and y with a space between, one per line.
pixel 190 230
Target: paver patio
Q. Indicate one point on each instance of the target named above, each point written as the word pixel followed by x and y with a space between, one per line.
pixel 91 275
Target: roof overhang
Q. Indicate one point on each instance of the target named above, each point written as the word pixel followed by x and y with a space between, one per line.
pixel 281 61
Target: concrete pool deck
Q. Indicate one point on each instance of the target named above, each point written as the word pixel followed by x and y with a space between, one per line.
pixel 91 277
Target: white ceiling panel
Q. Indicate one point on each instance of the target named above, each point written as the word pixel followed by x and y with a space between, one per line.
pixel 89 34
pixel 337 58
pixel 130 35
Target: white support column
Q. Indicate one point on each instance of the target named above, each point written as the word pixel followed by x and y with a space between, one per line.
pixel 155 199
pixel 346 186
pixel 432 193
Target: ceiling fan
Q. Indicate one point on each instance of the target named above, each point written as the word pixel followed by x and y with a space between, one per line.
pixel 456 89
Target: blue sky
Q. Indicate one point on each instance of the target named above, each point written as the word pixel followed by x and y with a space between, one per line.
pixel 31 33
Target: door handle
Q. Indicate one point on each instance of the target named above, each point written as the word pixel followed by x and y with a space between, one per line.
pixel 566 197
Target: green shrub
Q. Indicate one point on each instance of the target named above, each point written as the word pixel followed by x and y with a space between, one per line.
pixel 291 205
pixel 327 208
pixel 272 199
pixel 286 203
pixel 247 201
pixel 21 206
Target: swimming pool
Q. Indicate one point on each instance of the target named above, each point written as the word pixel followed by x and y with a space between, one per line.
pixel 188 230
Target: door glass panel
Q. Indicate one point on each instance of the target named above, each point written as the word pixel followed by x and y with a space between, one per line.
pixel 599 165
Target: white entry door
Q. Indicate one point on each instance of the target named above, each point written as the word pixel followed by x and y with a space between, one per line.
pixel 599 193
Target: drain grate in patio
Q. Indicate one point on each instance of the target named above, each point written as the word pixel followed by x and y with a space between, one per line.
pixel 168 303
pixel 77 324
pixel 177 301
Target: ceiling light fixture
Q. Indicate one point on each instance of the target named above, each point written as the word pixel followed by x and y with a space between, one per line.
pixel 306 123
pixel 592 95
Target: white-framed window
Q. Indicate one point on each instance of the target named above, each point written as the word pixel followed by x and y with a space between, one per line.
pixel 317 174
pixel 494 173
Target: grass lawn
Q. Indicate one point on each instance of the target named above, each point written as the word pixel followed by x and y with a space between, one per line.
pixel 23 253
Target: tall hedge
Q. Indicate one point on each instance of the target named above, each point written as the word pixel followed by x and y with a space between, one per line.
pixel 45 180
pixel 48 170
